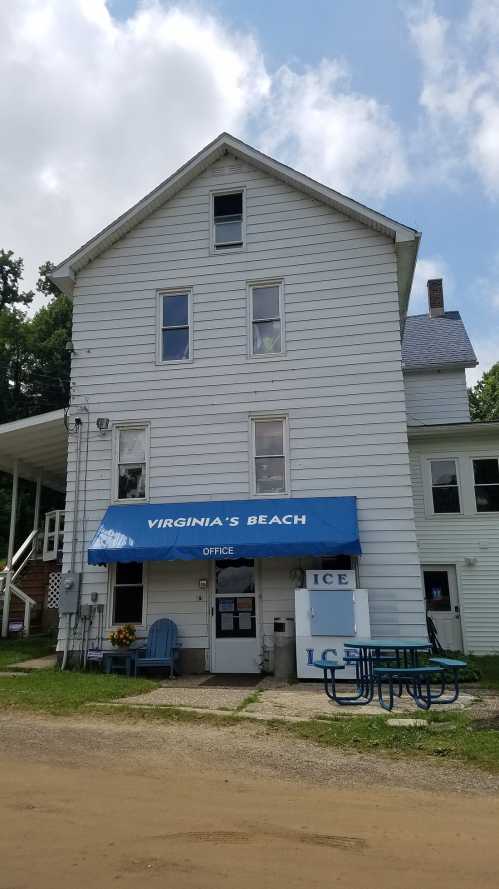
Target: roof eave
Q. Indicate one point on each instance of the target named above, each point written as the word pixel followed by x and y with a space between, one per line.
pixel 449 429
pixel 447 365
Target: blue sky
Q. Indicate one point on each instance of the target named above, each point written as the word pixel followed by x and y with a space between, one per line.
pixel 395 103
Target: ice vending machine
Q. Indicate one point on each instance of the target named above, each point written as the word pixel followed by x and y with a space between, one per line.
pixel 329 611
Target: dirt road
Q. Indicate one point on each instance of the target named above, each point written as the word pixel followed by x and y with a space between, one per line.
pixel 96 803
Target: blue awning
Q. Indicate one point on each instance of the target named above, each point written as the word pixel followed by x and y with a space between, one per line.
pixel 229 529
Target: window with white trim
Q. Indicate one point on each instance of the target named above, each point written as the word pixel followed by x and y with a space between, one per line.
pixel 445 486
pixel 228 228
pixel 53 535
pixel 128 593
pixel 175 326
pixel 131 466
pixel 486 480
pixel 266 319
pixel 269 450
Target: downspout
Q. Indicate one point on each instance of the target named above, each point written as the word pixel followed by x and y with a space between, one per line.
pixel 73 534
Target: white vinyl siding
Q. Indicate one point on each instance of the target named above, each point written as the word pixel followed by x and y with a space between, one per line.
pixel 469 540
pixel 438 396
pixel 339 382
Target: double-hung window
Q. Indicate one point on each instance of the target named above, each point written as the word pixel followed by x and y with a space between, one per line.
pixel 445 486
pixel 486 479
pixel 266 319
pixel 269 447
pixel 128 593
pixel 228 220
pixel 131 462
pixel 175 326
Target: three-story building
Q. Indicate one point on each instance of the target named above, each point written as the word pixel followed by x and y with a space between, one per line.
pixel 242 410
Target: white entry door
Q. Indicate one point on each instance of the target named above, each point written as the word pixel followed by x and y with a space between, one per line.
pixel 442 604
pixel 234 620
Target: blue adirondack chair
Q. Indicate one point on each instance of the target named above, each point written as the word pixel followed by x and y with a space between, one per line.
pixel 161 648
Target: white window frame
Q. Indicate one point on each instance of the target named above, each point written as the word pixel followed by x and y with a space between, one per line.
pixel 251 285
pixel 142 627
pixel 116 428
pixel 218 192
pixel 173 291
pixel 428 487
pixel 49 551
pixel 480 512
pixel 253 420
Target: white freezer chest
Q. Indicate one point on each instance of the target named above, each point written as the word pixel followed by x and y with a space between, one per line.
pixel 325 620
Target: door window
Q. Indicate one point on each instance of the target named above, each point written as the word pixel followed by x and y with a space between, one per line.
pixel 235 599
pixel 437 592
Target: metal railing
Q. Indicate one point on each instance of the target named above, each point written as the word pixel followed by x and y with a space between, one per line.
pixel 10 573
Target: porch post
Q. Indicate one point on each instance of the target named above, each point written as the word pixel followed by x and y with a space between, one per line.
pixel 10 551
pixel 36 514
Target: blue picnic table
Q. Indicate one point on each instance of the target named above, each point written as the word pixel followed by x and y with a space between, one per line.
pixel 395 662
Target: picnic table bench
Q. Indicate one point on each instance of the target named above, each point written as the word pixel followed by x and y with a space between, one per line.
pixel 394 662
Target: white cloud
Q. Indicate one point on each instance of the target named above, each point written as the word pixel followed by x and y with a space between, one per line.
pixel 315 122
pixel 99 111
pixel 460 89
pixel 426 269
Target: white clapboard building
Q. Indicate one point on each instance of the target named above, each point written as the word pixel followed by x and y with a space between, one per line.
pixel 249 401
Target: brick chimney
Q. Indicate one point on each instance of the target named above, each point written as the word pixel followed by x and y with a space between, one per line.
pixel 435 297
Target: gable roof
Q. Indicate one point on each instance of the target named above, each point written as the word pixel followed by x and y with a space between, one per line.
pixel 406 239
pixel 439 342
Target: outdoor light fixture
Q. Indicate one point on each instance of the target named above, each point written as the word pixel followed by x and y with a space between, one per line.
pixel 102 424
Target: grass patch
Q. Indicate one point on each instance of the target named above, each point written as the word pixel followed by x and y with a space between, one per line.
pixel 372 734
pixel 50 691
pixel 169 714
pixel 252 698
pixel 12 651
pixel 486 667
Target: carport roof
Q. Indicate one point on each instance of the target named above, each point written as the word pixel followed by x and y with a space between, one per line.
pixel 40 445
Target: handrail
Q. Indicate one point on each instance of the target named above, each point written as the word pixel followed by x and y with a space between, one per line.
pixel 23 546
pixel 9 575
pixel 20 567
pixel 21 595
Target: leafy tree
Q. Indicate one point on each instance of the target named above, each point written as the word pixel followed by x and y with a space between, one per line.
pixel 46 378
pixel 34 370
pixel 484 397
pixel 11 273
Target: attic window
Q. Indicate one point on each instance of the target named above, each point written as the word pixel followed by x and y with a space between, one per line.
pixel 228 220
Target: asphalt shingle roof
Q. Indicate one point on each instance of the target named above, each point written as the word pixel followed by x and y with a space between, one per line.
pixel 436 342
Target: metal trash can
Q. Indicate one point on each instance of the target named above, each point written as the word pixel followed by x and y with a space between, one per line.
pixel 284 648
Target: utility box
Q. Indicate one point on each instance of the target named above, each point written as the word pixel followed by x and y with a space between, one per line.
pixel 69 592
pixel 284 648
